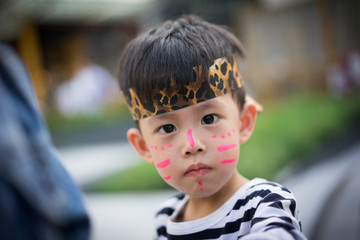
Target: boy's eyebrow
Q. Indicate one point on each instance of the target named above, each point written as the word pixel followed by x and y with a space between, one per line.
pixel 163 116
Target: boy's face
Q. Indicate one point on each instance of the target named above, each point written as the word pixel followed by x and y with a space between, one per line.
pixel 195 149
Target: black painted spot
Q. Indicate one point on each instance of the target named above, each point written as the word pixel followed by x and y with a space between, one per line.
pixel 137 102
pixel 173 100
pixel 201 90
pixel 158 97
pixel 191 94
pixel 149 106
pixel 165 100
pixel 225 91
pixel 224 68
pixel 232 82
pixel 213 80
pixel 210 94
pixel 217 67
pixel 221 85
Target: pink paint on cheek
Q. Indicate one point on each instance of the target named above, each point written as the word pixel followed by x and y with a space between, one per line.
pixel 156 147
pixel 163 163
pixel 229 134
pixel 214 136
pixel 228 161
pixel 170 145
pixel 233 130
pixel 190 138
pixel 226 147
pixel 201 189
pixel 151 146
pixel 167 178
pixel 162 148
pixel 223 136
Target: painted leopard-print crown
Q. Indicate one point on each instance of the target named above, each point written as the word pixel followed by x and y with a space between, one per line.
pixel 224 76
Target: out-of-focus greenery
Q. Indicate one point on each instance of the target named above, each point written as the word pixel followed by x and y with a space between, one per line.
pixel 112 114
pixel 286 131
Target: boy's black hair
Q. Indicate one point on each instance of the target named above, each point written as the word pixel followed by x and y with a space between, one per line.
pixel 173 49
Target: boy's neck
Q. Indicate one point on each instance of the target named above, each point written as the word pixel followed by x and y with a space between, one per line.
pixel 200 207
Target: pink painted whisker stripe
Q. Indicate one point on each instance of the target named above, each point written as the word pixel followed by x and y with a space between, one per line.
pixel 167 178
pixel 226 147
pixel 163 163
pixel 228 161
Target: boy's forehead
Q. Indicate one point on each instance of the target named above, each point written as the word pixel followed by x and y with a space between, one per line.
pixel 223 77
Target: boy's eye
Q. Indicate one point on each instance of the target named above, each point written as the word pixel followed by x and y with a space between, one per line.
pixel 209 119
pixel 168 128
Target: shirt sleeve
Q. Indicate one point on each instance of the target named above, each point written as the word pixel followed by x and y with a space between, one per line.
pixel 276 217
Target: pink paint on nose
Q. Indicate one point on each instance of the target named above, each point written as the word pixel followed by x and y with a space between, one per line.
pixel 163 163
pixel 226 147
pixel 167 178
pixel 190 138
pixel 228 161
pixel 200 183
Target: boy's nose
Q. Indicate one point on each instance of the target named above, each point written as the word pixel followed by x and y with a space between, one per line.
pixel 193 144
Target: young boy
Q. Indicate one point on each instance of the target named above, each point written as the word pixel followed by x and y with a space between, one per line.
pixel 185 92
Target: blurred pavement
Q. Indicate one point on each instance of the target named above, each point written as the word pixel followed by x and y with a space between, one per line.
pixel 328 196
pixel 87 163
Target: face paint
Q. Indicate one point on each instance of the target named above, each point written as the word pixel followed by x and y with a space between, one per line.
pixel 190 138
pixel 156 147
pixel 229 134
pixel 163 163
pixel 162 148
pixel 228 161
pixel 222 136
pixel 226 147
pixel 200 183
pixel 170 145
pixel 167 178
pixel 214 136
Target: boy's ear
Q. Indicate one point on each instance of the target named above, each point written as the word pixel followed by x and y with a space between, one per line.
pixel 138 142
pixel 248 119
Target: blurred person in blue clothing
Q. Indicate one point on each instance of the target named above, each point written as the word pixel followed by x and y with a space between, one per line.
pixel 38 198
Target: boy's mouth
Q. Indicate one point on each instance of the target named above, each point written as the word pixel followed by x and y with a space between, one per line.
pixel 197 170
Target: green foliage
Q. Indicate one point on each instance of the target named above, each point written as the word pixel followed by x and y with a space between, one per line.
pixel 286 131
pixel 58 123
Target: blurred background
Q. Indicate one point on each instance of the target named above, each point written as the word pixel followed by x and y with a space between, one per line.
pixel 302 64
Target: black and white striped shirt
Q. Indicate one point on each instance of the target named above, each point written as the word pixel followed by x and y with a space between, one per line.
pixel 258 210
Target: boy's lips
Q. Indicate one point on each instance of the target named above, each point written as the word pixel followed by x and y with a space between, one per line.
pixel 197 170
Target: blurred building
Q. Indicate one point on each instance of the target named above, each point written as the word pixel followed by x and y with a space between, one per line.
pixel 291 44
